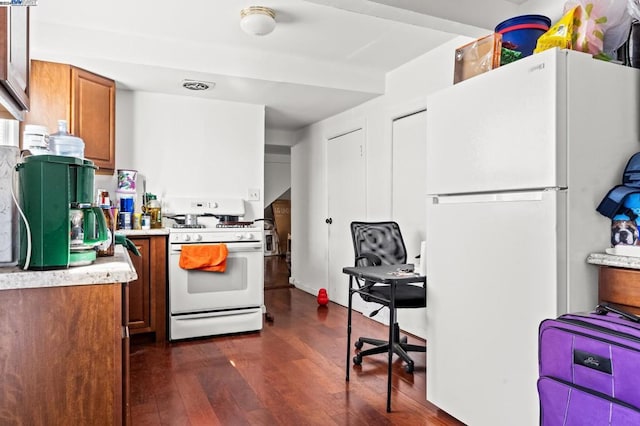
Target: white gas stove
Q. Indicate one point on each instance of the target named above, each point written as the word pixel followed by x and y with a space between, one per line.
pixel 203 303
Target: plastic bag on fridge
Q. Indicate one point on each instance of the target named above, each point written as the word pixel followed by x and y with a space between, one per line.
pixel 600 26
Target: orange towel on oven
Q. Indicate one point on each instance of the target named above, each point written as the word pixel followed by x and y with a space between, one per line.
pixel 204 257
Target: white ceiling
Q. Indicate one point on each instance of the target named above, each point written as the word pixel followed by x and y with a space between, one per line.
pixel 325 56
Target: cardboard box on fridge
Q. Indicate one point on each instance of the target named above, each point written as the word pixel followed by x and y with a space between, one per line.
pixel 477 57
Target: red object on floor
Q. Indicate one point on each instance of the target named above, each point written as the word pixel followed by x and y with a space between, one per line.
pixel 323 298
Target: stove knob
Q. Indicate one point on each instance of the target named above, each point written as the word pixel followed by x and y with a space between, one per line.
pixel 197 237
pixel 186 237
pixel 249 236
pixel 239 236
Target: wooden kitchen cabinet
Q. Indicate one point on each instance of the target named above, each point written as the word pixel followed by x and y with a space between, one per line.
pixel 147 294
pixel 14 62
pixel 86 100
pixel 620 287
pixel 64 355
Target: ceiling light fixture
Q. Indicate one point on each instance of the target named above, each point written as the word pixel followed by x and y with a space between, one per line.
pixel 197 85
pixel 257 20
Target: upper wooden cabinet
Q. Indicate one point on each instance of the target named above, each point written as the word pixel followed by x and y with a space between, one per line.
pixel 86 100
pixel 14 62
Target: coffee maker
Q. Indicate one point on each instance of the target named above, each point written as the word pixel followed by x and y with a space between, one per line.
pixel 62 226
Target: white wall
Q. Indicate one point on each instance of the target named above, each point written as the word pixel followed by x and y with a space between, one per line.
pixel 185 146
pixel 277 176
pixel 277 163
pixel 550 8
pixel 407 89
pixel 279 137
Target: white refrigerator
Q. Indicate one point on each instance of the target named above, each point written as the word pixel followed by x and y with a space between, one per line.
pixel 517 161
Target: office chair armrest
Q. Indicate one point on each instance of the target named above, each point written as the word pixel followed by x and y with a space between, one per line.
pixel 371 260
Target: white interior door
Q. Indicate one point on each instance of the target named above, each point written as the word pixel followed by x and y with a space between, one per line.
pixel 346 203
pixel 409 141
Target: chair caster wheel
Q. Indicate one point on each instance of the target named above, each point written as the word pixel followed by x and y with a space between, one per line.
pixel 358 344
pixel 357 360
pixel 409 368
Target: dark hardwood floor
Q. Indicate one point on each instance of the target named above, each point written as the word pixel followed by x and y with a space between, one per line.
pixel 276 273
pixel 290 373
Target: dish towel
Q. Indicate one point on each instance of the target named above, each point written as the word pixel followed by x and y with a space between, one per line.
pixel 209 257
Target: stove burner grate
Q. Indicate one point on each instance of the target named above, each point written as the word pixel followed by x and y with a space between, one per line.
pixel 183 226
pixel 235 225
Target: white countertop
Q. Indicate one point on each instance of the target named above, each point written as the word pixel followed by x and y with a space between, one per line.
pixel 605 259
pixel 105 270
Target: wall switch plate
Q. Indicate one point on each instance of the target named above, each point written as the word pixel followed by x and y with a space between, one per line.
pixel 254 194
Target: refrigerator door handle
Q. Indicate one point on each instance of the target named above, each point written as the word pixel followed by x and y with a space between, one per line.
pixel 499 197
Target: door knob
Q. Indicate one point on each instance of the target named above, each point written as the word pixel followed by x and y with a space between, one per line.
pixel 328 221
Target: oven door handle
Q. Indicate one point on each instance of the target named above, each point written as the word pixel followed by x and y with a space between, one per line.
pixel 232 247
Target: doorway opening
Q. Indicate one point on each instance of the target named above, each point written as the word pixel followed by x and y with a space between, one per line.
pixel 277 244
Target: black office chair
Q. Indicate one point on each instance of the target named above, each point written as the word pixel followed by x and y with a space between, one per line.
pixel 381 243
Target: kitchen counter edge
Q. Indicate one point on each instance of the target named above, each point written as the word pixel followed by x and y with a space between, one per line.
pixel 604 259
pixel 143 232
pixel 105 270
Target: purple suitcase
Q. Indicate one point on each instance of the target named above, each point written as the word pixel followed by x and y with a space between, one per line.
pixel 590 369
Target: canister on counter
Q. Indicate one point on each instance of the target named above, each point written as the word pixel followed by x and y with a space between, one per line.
pixel 137 221
pixel 124 220
pixel 127 181
pixel 146 221
pixel 126 203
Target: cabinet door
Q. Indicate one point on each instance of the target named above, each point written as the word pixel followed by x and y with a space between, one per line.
pixel 50 88
pixel 61 358
pixel 140 289
pixel 14 59
pixel 620 287
pixel 93 117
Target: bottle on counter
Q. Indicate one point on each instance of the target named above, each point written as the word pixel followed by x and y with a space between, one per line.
pixel 108 247
pixel 127 207
pixel 137 221
pixel 153 209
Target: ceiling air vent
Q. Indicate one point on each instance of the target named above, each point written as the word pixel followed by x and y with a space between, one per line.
pixel 197 85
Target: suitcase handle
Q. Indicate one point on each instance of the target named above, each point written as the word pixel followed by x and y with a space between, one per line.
pixel 603 308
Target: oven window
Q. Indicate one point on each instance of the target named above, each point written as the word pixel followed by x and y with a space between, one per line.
pixel 232 279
